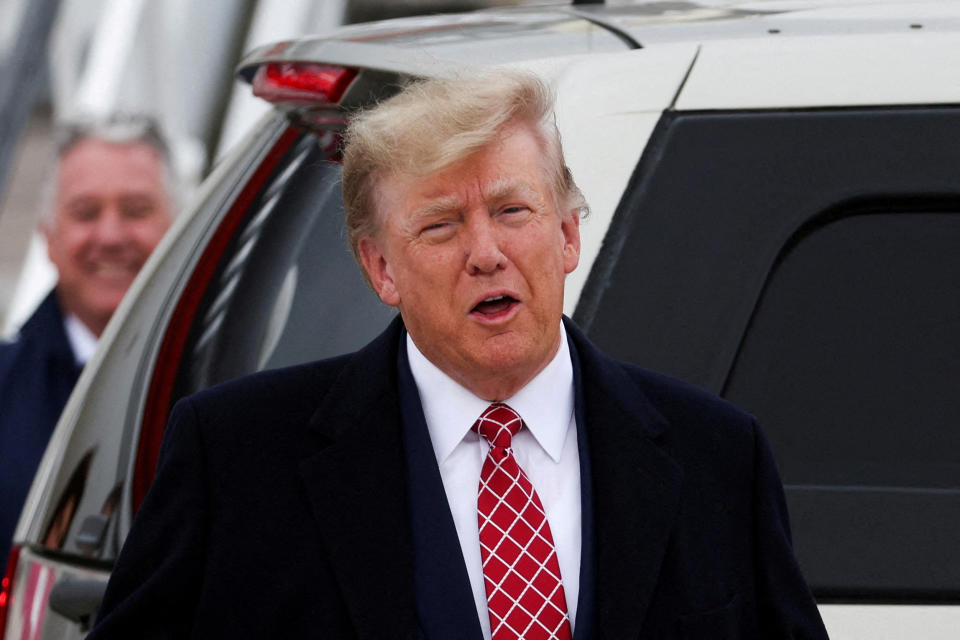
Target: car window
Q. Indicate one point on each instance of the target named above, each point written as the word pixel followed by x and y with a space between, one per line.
pixel 281 289
pixel 852 354
pixel 852 359
pixel 804 265
pixel 81 506
pixel 287 289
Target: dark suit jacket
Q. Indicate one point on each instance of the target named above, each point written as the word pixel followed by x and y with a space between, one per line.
pixel 37 374
pixel 281 508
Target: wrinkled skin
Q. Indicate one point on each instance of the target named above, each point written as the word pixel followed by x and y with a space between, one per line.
pixel 475 256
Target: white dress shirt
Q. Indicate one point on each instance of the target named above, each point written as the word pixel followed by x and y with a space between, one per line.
pixel 82 340
pixel 546 451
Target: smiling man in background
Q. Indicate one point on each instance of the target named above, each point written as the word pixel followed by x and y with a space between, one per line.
pixel 112 201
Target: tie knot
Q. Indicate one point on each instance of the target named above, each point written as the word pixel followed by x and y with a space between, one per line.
pixel 498 424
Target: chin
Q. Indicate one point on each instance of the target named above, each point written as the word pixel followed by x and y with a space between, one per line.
pixel 508 356
pixel 104 306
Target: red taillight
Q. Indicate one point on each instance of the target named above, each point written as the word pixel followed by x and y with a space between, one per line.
pixel 7 589
pixel 302 82
pixel 157 406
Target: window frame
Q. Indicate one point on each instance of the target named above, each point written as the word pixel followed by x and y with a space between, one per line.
pixel 714 201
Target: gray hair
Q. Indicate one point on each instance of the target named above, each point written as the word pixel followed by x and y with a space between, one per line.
pixel 119 129
pixel 434 123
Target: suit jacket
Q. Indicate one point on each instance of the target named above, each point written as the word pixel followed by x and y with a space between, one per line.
pixel 37 373
pixel 281 508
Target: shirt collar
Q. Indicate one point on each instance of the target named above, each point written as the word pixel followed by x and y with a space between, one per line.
pixel 545 403
pixel 82 340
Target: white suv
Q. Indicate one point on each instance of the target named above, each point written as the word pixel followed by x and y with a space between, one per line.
pixel 775 189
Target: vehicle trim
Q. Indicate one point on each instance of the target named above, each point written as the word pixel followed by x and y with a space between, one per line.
pixel 157 406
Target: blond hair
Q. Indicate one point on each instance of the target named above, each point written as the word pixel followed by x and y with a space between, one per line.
pixel 432 124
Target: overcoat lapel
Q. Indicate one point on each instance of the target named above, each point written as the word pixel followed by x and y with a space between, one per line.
pixel 356 485
pixel 444 598
pixel 636 491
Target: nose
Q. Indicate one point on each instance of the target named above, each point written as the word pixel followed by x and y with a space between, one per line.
pixel 111 229
pixel 482 245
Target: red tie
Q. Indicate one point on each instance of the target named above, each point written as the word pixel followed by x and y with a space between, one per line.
pixel 520 570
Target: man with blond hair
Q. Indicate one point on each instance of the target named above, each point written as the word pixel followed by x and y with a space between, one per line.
pixel 480 470
pixel 111 200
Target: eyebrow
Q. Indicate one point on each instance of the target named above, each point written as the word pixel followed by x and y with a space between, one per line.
pixel 506 187
pixel 439 206
pixel 499 189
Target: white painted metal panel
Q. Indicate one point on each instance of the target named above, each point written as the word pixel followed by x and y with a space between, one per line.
pixel 607 107
pixel 825 71
pixel 891 622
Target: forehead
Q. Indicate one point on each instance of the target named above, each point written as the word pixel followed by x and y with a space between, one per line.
pixel 512 165
pixel 96 167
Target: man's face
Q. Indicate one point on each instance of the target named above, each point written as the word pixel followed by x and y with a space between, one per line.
pixel 110 210
pixel 474 256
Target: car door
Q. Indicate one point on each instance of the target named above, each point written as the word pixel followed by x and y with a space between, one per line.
pixel 803 264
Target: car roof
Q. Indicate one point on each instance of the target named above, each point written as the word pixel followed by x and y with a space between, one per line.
pixel 764 54
pixel 617 68
pixel 513 34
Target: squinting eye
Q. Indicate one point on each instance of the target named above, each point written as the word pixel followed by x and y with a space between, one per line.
pixel 84 214
pixel 437 232
pixel 136 207
pixel 137 211
pixel 515 212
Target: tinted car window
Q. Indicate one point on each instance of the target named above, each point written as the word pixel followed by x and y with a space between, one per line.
pixel 287 289
pixel 852 359
pixel 804 265
pixel 852 355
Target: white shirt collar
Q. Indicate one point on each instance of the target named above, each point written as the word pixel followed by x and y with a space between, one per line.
pixel 82 340
pixel 545 403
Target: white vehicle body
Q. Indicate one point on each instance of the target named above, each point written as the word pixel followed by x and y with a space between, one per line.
pixel 711 57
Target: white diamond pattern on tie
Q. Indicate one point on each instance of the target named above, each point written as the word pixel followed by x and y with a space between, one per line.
pixel 521 573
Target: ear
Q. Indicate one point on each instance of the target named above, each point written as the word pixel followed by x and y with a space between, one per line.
pixel 377 267
pixel 570 227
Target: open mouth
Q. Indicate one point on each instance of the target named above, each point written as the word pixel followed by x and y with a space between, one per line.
pixel 493 306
